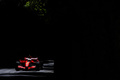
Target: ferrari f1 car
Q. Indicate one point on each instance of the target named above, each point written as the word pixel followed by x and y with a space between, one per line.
pixel 29 63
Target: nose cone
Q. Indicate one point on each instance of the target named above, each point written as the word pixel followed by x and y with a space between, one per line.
pixel 27 64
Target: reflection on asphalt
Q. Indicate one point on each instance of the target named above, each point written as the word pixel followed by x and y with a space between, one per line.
pixel 13 72
pixel 9 71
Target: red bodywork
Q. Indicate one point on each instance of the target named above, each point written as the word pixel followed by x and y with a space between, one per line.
pixel 27 62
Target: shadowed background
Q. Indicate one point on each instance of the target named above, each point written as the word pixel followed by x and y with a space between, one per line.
pixel 97 40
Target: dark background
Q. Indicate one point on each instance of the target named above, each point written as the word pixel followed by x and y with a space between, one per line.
pixel 96 43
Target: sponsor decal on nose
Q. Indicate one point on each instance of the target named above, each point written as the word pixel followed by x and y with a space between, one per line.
pixel 27 64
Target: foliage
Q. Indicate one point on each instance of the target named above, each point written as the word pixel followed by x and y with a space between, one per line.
pixel 38 6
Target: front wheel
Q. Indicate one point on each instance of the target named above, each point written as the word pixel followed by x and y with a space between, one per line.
pixel 37 68
pixel 17 69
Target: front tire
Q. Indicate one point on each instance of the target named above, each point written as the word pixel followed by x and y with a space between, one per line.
pixel 37 68
pixel 16 66
pixel 17 69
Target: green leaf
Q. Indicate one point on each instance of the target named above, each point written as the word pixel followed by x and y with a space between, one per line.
pixel 27 4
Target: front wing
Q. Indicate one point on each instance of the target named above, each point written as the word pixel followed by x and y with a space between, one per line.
pixel 21 67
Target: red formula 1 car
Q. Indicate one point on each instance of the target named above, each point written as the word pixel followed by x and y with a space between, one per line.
pixel 29 63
